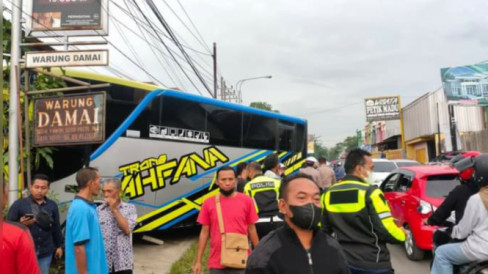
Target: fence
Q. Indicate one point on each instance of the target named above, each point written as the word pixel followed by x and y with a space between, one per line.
pixel 477 140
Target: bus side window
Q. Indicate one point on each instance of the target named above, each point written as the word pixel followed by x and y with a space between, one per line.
pixel 286 136
pixel 300 139
pixel 183 114
pixel 259 132
pixel 224 125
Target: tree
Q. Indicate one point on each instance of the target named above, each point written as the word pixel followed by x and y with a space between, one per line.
pixel 263 106
pixel 38 154
pixel 350 143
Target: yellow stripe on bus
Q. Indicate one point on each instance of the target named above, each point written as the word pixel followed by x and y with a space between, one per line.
pixel 174 214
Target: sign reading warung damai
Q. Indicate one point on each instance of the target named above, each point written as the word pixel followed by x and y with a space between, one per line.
pixel 70 119
pixel 382 108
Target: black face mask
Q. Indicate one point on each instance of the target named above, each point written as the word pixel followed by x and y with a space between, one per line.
pixel 306 216
pixel 227 193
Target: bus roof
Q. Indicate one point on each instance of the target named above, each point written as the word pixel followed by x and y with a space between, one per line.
pixel 173 93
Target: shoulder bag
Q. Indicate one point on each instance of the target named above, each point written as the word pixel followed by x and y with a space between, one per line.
pixel 234 245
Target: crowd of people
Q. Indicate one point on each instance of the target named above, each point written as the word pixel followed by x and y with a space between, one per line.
pixel 313 222
pixel 96 240
pixel 261 221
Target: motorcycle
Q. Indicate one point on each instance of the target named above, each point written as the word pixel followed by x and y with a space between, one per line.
pixel 443 236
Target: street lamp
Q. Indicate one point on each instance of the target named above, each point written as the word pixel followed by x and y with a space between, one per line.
pixel 240 82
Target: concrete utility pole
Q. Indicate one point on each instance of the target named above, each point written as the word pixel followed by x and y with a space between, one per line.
pixel 13 130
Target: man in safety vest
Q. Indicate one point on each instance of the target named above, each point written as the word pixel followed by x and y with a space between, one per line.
pixel 359 215
pixel 264 191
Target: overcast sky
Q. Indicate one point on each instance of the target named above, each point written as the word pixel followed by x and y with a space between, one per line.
pixel 324 56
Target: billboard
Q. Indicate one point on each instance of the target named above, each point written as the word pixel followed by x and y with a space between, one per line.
pixel 382 108
pixel 70 119
pixel 79 17
pixel 467 85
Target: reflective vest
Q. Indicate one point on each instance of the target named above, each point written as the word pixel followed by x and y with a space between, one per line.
pixel 360 217
pixel 264 191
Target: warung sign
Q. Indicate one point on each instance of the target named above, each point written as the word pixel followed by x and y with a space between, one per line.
pixel 66 58
pixel 70 119
pixel 382 108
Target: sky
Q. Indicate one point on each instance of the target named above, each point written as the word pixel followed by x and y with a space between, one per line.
pixel 325 57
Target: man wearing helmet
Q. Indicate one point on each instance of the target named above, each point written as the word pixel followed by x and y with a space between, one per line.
pixel 458 197
pixel 473 227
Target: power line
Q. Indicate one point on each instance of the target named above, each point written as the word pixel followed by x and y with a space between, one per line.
pixel 152 50
pixel 175 40
pixel 161 40
pixel 189 30
pixel 145 25
pixel 191 22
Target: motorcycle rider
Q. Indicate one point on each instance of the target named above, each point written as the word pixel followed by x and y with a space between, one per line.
pixel 473 227
pixel 458 197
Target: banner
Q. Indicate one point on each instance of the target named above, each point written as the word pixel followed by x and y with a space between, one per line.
pixel 69 119
pixel 382 108
pixel 467 85
pixel 57 15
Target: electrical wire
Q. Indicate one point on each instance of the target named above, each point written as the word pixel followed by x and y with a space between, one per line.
pixel 175 40
pixel 167 48
pixel 189 30
pixel 191 22
pixel 146 25
pixel 152 50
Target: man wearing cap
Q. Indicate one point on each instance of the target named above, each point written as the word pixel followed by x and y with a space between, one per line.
pixel 310 170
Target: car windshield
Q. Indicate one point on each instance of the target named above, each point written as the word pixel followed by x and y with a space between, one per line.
pixel 384 166
pixel 439 186
pixel 407 163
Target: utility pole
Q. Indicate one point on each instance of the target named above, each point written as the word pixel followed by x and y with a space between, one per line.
pixel 215 68
pixel 439 144
pixel 13 130
pixel 452 124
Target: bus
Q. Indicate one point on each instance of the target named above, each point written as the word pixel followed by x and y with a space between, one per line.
pixel 165 146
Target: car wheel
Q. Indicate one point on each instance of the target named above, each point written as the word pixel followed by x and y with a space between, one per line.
pixel 413 252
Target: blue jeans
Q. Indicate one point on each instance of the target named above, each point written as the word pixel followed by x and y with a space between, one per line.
pixel 446 256
pixel 357 270
pixel 45 263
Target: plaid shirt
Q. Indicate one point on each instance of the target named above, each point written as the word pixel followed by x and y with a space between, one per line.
pixel 118 245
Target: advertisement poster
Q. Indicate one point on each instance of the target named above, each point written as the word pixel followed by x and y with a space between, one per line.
pixel 67 14
pixel 466 85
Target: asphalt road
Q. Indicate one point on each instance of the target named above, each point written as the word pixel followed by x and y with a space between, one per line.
pixel 403 265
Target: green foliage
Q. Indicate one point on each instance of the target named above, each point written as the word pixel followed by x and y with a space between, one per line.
pixel 41 82
pixel 263 106
pixel 185 263
pixel 334 152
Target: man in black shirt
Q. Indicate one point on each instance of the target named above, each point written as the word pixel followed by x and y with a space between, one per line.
pixel 41 215
pixel 299 246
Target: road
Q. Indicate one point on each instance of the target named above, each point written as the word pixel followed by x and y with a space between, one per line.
pixel 403 265
pixel 150 258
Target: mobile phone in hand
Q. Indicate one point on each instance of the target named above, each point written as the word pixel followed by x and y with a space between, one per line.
pixel 29 215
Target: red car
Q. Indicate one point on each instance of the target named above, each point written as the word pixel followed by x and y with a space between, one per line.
pixel 413 194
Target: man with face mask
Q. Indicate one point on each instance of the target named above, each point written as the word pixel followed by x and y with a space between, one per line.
pixel 360 217
pixel 299 246
pixel 238 215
